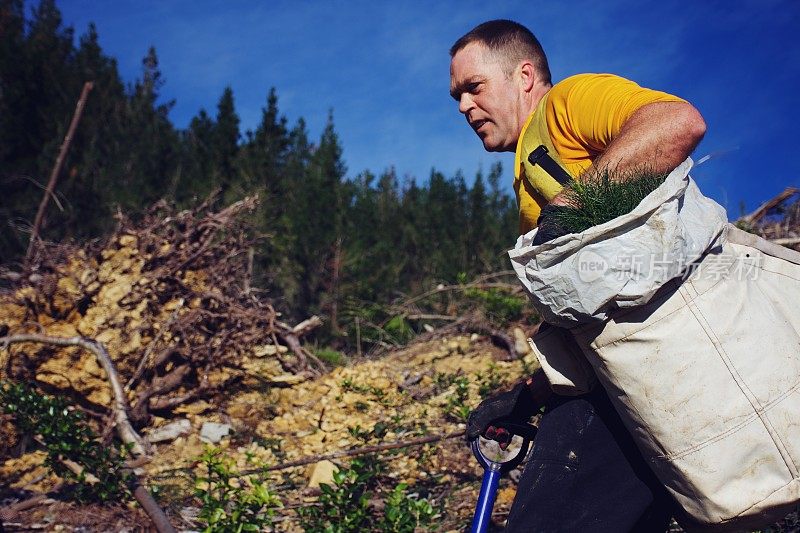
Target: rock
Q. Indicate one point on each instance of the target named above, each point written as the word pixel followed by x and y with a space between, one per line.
pixel 92 368
pixel 521 342
pixel 127 240
pixel 269 349
pixel 505 496
pixel 213 432
pixel 288 379
pixel 321 472
pixel 170 431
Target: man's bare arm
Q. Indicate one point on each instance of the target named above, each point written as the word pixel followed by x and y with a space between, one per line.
pixel 657 137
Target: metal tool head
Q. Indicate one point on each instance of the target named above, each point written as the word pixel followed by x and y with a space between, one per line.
pixel 491 456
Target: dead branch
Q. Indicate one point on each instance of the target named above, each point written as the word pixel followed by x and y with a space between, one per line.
pixel 512 287
pixel 291 340
pixel 423 316
pixel 307 325
pixel 153 510
pixel 470 323
pixel 291 337
pixel 162 404
pixel 11 511
pixel 762 210
pixel 140 493
pixel 786 241
pixel 120 406
pixel 62 153
pixel 309 459
pixel 783 228
pixel 149 350
pixel 498 338
pixel 79 470
pixel 492 275
pixel 160 385
pixel 358 451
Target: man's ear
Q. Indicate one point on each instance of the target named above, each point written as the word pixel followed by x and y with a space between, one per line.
pixel 527 75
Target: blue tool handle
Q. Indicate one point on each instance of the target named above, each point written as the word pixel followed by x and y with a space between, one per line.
pixel 483 512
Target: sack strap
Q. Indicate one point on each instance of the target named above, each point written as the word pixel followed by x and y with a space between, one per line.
pixel 541 157
pixel 738 236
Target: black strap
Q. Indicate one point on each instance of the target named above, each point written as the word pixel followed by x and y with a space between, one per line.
pixel 545 160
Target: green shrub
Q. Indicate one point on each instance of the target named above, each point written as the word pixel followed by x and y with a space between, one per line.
pixel 457 407
pixel 490 382
pixel 404 513
pixel 343 506
pixel 228 504
pixel 399 330
pixel 498 304
pixel 66 436
pixel 331 356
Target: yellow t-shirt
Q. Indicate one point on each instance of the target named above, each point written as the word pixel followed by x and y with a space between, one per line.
pixel 582 115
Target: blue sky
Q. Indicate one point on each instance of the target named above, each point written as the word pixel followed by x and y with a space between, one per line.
pixel 383 69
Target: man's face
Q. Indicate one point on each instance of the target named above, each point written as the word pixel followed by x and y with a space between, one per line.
pixel 486 96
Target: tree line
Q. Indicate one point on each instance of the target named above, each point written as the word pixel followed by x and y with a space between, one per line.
pixel 333 244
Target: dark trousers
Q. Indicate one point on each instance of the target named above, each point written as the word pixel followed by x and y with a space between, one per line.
pixel 585 474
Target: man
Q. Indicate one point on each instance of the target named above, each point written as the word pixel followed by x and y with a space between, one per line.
pixel 585 473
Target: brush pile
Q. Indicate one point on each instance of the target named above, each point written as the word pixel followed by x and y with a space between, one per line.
pixel 777 220
pixel 168 297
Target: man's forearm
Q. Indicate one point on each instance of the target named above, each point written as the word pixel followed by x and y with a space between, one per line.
pixel 657 137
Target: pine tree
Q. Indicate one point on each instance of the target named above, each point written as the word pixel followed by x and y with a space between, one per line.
pixel 91 171
pixel 284 272
pixel 374 230
pixel 444 219
pixel 12 85
pixel 317 221
pixel 194 179
pixel 16 146
pixel 225 149
pixel 38 89
pixel 478 242
pixel 413 240
pixel 152 157
pixel 262 162
pixel 503 220
pixel 49 100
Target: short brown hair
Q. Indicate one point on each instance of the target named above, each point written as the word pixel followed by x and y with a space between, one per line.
pixel 513 41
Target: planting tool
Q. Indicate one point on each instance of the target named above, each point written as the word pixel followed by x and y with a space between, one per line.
pixel 497 461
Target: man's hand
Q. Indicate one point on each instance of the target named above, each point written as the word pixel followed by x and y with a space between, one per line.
pixel 549 228
pixel 516 405
pixel 560 200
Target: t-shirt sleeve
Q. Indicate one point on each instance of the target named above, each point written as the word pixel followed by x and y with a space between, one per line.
pixel 585 112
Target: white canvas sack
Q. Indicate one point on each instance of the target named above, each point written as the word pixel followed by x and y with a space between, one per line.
pixel 693 328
